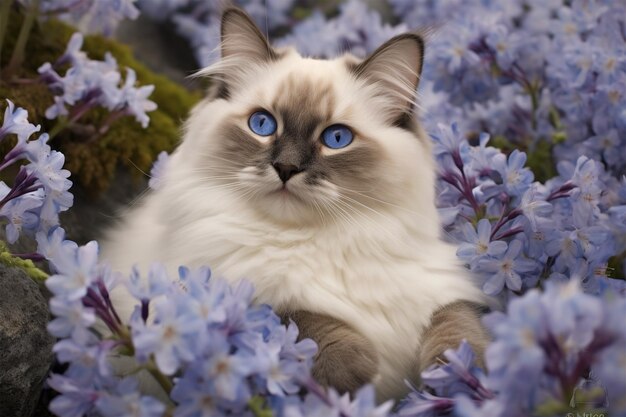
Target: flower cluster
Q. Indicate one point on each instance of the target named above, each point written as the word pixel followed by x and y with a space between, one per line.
pixel 212 350
pixel 516 233
pixel 40 189
pixel 533 74
pixel 89 83
pixel 554 352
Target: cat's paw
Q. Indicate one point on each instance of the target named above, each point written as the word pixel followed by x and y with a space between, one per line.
pixel 346 361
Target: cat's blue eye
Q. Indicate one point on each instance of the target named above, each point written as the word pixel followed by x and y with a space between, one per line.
pixel 262 123
pixel 337 136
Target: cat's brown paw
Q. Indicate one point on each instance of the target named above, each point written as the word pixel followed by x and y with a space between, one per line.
pixel 449 326
pixel 345 361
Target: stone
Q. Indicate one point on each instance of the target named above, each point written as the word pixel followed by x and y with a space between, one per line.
pixel 25 344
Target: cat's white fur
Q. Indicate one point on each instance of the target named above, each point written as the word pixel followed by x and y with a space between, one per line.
pixel 384 271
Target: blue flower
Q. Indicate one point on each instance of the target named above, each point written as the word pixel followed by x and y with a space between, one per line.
pixel 507 269
pixel 72 320
pixel 87 362
pixel 479 245
pixel 169 338
pixel 16 122
pixel 52 245
pixel 516 178
pixel 21 214
pixel 424 404
pixel 135 100
pixel 127 401
pixel 456 376
pixel 365 404
pixel 76 271
pixel 75 400
pixel 534 207
pixel 505 45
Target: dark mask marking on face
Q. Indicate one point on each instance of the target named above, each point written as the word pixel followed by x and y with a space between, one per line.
pixel 304 108
pixel 356 168
pixel 238 146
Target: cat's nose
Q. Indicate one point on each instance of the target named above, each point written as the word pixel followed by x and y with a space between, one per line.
pixel 286 171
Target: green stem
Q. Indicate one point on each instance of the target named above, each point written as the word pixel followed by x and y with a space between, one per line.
pixel 164 381
pixel 61 124
pixel 534 99
pixel 5 9
pixel 20 46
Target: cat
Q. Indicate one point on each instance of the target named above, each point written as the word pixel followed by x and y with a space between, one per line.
pixel 314 180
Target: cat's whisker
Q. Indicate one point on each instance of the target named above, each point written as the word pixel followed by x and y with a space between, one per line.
pixel 384 202
pixel 139 197
pixel 220 158
pixel 350 199
pixel 349 215
pixel 371 221
pixel 320 211
pixel 347 222
pixel 415 213
pixel 229 177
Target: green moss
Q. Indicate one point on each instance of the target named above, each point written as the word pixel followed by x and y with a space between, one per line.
pixel 93 160
pixel 24 264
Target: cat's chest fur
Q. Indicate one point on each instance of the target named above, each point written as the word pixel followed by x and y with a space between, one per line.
pixel 382 278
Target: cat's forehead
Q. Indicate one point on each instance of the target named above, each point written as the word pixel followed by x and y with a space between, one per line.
pixel 304 95
pixel 308 86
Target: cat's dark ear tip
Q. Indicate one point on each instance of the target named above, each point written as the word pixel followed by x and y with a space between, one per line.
pixel 232 12
pixel 417 36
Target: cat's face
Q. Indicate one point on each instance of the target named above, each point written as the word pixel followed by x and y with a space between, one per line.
pixel 306 140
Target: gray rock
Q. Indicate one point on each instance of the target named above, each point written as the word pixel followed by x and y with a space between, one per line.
pixel 25 345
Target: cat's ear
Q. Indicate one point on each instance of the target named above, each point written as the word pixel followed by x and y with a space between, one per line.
pixel 395 69
pixel 241 38
pixel 243 48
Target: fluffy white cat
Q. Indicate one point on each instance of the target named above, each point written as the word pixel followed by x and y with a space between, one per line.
pixel 312 179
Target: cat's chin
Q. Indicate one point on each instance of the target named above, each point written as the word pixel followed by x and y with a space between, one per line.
pixel 287 207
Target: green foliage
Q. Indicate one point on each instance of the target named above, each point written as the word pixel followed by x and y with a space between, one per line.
pixel 24 264
pixel 92 158
pixel 615 268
